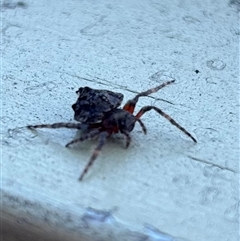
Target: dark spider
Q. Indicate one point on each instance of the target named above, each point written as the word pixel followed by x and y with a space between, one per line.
pixel 108 118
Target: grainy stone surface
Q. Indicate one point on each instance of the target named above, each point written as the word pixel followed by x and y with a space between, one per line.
pixel 163 187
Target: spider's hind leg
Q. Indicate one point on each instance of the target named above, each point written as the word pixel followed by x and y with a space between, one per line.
pixel 101 142
pixel 57 125
pixel 130 105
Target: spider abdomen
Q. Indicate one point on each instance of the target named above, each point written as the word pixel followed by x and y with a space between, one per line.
pixel 92 104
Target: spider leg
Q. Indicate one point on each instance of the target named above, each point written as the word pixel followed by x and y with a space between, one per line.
pixel 128 138
pixel 148 108
pixel 130 105
pixel 143 126
pixel 101 142
pixel 84 137
pixel 57 125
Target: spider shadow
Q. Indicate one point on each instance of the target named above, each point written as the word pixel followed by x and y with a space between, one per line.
pixel 113 142
pixel 162 146
pixel 112 152
pixel 164 142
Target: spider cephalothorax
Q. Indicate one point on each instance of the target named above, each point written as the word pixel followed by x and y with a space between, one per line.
pixel 99 114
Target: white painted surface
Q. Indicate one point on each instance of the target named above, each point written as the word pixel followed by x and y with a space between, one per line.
pixel 163 182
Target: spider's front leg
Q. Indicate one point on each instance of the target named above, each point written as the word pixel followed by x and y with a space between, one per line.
pixel 128 138
pixel 143 126
pixel 127 134
pixel 159 111
pixel 102 140
pixel 130 105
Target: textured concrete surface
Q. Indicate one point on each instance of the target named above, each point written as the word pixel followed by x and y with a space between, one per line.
pixel 163 187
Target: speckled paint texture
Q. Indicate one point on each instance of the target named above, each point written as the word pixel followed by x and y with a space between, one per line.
pixel 163 187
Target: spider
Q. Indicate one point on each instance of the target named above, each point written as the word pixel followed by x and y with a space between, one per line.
pixel 109 119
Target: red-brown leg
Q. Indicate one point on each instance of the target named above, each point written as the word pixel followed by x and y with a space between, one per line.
pixel 130 105
pixel 148 108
